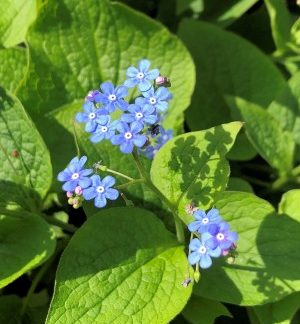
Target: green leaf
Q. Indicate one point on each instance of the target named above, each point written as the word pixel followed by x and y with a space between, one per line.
pixel 281 22
pixel 274 144
pixel 13 67
pixel 239 184
pixel 73 56
pixel 10 309
pixel 267 266
pixel 192 166
pixel 289 204
pixel 226 64
pixel 121 265
pixel 279 312
pixel 204 311
pixel 15 18
pixel 26 241
pixel 24 157
pixel 242 149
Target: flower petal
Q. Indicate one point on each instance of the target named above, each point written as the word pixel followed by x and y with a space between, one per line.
pixel 122 104
pixel 153 74
pixel 132 72
pixel 81 117
pixel 63 176
pixel 89 193
pixel 97 137
pixel 108 181
pixel 193 258
pixel 139 140
pixel 85 182
pixel 117 139
pixel 144 65
pixel 199 214
pixel 193 227
pixel 144 85
pixel 215 253
pixel 100 201
pixel 130 83
pixel 205 261
pixel 112 194
pixel 121 91
pixel 195 244
pixel 107 88
pixel 70 185
pixel 126 147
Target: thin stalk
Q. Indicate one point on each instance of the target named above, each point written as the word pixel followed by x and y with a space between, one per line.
pixel 119 174
pixel 257 182
pixel 150 185
pixel 296 171
pixel 65 226
pixel 130 183
pixel 76 139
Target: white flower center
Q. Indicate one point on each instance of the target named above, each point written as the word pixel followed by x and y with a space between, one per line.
pixel 103 129
pixel 152 100
pixel 112 97
pixel 128 135
pixel 220 236
pixel 205 220
pixel 139 115
pixel 75 176
pixel 100 189
pixel 202 249
pixel 140 75
pixel 92 115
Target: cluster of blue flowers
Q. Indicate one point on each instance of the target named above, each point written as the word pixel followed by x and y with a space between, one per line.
pixel 213 238
pixel 140 122
pixel 80 183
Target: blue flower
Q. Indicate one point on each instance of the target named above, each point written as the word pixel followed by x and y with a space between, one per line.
pixel 101 190
pixel 106 131
pixel 91 95
pixel 157 99
pixel 141 76
pixel 202 250
pixel 164 137
pixel 111 97
pixel 129 136
pixel 204 220
pixel 141 114
pixel 74 175
pixel 92 116
pixel 221 236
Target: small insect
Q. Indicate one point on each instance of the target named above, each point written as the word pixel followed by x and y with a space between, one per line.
pixel 186 282
pixel 97 165
pixel 15 153
pixel 154 130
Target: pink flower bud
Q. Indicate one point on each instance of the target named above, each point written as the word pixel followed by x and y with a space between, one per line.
pixel 225 252
pixel 162 81
pixel 78 191
pixel 69 194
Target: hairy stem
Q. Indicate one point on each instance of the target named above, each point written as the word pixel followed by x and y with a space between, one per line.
pixel 119 174
pixel 65 226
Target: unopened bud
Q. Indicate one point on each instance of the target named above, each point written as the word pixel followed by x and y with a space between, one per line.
pixel 76 206
pixel 230 260
pixel 197 275
pixel 69 194
pixel 162 81
pixel 78 191
pixel 91 95
pixel 70 201
pixel 225 252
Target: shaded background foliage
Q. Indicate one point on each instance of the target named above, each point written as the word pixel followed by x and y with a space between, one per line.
pixel 228 61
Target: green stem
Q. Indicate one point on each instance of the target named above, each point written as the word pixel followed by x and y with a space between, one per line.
pixel 296 171
pixel 125 185
pixel 257 181
pixel 119 174
pixel 76 139
pixel 150 185
pixel 65 226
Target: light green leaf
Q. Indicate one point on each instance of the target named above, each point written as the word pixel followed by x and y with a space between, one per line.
pixel 239 184
pixel 122 265
pixel 289 204
pixel 26 241
pixel 274 144
pixel 280 312
pixel 73 56
pixel 13 67
pixel 15 18
pixel 204 311
pixel 24 157
pixel 242 149
pixel 192 166
pixel 226 64
pixel 10 309
pixel 267 266
pixel 281 22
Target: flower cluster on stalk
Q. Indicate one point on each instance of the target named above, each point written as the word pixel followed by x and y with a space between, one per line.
pixel 211 238
pixel 139 124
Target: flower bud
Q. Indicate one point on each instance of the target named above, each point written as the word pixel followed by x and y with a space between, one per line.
pixel 91 95
pixel 197 275
pixel 76 206
pixel 69 194
pixel 70 201
pixel 78 191
pixel 162 81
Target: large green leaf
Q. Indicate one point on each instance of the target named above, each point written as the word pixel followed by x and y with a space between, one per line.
pixel 289 204
pixel 279 312
pixel 26 241
pixel 267 266
pixel 24 157
pixel 226 64
pixel 10 307
pixel 204 311
pixel 13 67
pixel 274 144
pixel 121 266
pixel 192 166
pixel 15 18
pixel 75 45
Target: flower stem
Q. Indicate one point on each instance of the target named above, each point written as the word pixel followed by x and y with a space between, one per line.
pixel 119 174
pixel 150 185
pixel 65 226
pixel 125 185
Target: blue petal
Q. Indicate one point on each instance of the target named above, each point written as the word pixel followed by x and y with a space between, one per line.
pixel 121 91
pixel 75 160
pixel 122 127
pixel 88 107
pixel 70 185
pixel 199 214
pixel 151 119
pixel 136 127
pixel 122 104
pixel 194 244
pixel 144 65
pixel 139 140
pixel 117 139
pixel 100 97
pixel 97 137
pixel 225 245
pixel 90 126
pixel 130 83
pixel 162 106
pixel 108 181
pixel 82 161
pixel 96 180
pixel 100 201
pixel 86 172
pixel 126 147
pixel 144 85
pixel 128 118
pixel 224 226
pixel 153 74
pixel 102 119
pixel 232 236
pixel 193 227
pixel 214 215
pixel 89 193
pixel 140 101
pixel 205 236
pixel 85 182
pixel 107 88
pixel 205 261
pixel 193 258
pixel 81 117
pixel 132 72
pixel 149 93
pixel 216 252
pixel 162 93
pixel 112 194
pixel 64 176
pixel 211 243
